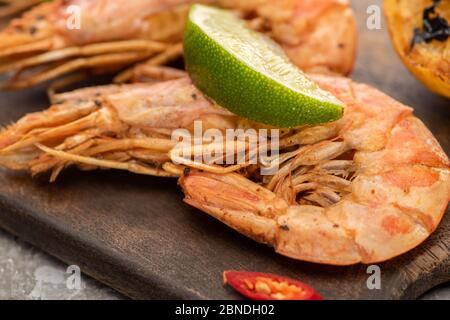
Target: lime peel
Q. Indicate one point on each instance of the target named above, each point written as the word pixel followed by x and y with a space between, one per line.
pixel 249 74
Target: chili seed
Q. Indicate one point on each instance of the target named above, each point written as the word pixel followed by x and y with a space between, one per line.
pixel 262 287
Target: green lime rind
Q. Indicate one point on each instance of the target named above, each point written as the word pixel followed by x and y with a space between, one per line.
pixel 231 83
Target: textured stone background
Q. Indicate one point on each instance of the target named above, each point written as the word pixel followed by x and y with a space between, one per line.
pixel 28 273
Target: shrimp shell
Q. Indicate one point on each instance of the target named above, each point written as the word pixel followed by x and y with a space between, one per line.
pixel 12 7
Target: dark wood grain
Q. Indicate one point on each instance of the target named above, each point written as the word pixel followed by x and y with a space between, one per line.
pixel 135 234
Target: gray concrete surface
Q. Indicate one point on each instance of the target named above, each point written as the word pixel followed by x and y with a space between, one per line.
pixel 26 273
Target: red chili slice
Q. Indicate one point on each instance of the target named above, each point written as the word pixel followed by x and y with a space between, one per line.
pixel 265 286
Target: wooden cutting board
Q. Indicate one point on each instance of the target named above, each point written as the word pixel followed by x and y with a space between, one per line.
pixel 135 234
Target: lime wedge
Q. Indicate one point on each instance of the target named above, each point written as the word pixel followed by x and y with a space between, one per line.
pixel 249 74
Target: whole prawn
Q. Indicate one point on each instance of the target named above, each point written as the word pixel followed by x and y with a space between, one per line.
pixel 375 187
pixel 364 189
pixel 114 34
